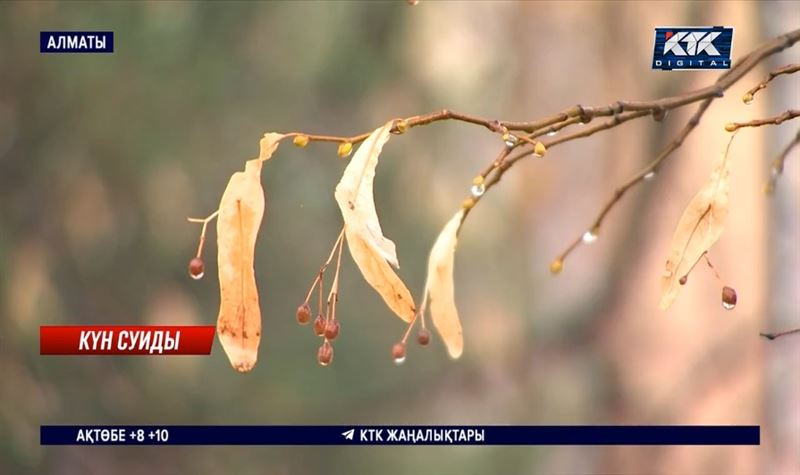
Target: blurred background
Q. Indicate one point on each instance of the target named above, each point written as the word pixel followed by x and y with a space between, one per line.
pixel 102 157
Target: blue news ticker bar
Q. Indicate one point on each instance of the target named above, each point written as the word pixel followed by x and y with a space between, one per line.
pixel 390 435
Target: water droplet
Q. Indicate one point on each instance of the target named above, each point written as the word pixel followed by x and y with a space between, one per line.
pixel 399 361
pixel 747 99
pixel 589 236
pixel 510 140
pixel 197 276
pixel 659 114
pixel 552 133
pixel 728 306
pixel 478 190
pixel 649 175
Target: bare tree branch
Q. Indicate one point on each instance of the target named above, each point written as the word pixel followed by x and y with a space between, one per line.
pixel 620 112
pixel 790 69
pixel 772 336
pixel 777 120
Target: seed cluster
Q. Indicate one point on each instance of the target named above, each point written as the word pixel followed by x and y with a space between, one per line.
pixel 327 326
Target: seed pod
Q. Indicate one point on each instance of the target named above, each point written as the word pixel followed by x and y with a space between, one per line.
pixel 325 353
pixel 332 329
pixel 319 325
pixel 728 298
pixel 196 267
pixel 399 352
pixel 303 314
pixel 423 336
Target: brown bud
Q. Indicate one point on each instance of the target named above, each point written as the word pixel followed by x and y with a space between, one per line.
pixel 196 268
pixel 399 352
pixel 332 329
pixel 319 325
pixel 682 280
pixel 303 314
pixel 728 298
pixel 423 336
pixel 325 353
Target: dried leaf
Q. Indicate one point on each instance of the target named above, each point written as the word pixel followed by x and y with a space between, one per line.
pixel 439 287
pixel 240 211
pixel 269 142
pixel 698 229
pixel 371 251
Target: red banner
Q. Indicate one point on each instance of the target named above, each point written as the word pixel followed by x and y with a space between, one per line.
pixel 125 340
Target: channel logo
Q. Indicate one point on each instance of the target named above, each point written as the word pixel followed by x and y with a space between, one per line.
pixel 683 47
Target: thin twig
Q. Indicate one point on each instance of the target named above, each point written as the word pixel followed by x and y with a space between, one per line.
pixel 714 269
pixel 647 173
pixel 205 222
pixel 777 120
pixel 321 272
pixel 772 336
pixel 685 276
pixel 333 296
pixel 778 164
pixel 790 69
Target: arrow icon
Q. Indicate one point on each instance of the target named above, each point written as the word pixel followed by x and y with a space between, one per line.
pixel 348 434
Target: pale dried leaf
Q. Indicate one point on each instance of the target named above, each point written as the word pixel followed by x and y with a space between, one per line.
pixel 439 286
pixel 269 142
pixel 371 251
pixel 699 228
pixel 240 212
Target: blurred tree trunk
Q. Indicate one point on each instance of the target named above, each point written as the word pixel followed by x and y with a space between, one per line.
pixel 697 363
